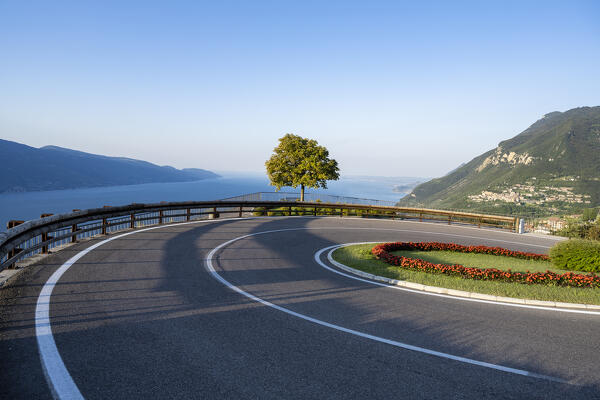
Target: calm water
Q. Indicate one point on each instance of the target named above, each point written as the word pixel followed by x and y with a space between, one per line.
pixel 30 205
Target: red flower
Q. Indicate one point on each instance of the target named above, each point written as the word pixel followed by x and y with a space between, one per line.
pixel 383 252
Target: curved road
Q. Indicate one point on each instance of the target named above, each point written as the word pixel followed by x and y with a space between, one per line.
pixel 141 316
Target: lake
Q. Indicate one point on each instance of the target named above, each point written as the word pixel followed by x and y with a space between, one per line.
pixel 29 205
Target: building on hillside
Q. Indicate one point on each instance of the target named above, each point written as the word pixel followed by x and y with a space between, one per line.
pixel 555 223
pixel 549 225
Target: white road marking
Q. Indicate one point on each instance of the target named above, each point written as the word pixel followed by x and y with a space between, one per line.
pixel 60 381
pixel 215 274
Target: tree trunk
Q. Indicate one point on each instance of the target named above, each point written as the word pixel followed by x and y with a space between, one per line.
pixel 301 192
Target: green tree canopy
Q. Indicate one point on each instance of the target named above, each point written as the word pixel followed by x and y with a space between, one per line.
pixel 589 214
pixel 298 161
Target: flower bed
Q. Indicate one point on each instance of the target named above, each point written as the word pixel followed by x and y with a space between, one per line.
pixel 383 252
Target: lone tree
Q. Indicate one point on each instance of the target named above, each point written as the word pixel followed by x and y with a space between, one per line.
pixel 298 161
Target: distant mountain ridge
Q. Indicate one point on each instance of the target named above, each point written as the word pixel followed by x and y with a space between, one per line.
pixel 26 168
pixel 551 167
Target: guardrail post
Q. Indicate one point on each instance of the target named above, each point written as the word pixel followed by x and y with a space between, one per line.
pixel 11 224
pixel 240 214
pixel 13 253
pixel 420 217
pixel 74 229
pixel 160 217
pixel 341 212
pixel 188 214
pixel 104 223
pixel 132 220
pixel 45 235
pixel 479 222
pixel 449 219
pixel 289 211
pixel 74 232
pixel 315 211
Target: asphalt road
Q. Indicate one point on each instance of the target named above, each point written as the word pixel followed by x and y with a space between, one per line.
pixel 141 317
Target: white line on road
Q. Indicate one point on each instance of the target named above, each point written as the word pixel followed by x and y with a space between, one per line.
pixel 59 380
pixel 215 274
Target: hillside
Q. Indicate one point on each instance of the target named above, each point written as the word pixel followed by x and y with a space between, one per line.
pixel 26 168
pixel 551 167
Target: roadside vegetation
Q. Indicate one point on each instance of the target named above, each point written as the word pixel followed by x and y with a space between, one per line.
pixel 299 161
pixel 320 211
pixel 577 255
pixel 586 226
pixel 361 258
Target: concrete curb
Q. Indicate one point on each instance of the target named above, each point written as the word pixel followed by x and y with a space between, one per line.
pixel 8 274
pixel 453 292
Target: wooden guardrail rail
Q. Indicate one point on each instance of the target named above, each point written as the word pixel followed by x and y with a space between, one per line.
pixel 24 239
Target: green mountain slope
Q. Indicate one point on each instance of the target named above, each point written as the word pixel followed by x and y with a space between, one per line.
pixel 551 167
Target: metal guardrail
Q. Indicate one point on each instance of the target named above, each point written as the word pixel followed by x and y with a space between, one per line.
pixel 29 238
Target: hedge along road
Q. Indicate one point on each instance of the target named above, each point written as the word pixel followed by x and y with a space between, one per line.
pixel 140 316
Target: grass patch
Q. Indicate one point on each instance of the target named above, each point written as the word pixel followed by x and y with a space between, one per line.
pixel 480 260
pixel 360 257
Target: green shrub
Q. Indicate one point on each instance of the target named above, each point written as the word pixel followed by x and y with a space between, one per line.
pixel 277 212
pixel 576 255
pixel 589 214
pixel 259 211
pixel 583 230
pixel 282 211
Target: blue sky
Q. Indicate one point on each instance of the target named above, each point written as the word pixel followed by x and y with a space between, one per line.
pixel 391 88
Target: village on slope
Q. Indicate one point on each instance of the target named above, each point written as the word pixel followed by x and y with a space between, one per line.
pixel 549 175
